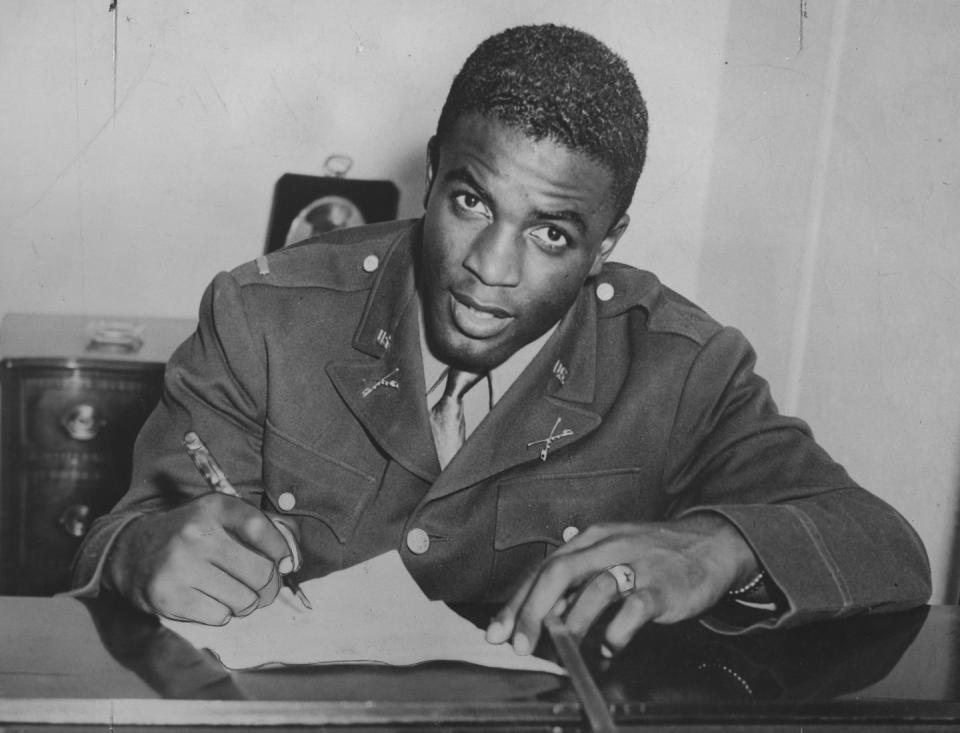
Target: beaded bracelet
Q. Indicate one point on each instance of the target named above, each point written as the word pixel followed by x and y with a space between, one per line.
pixel 755 583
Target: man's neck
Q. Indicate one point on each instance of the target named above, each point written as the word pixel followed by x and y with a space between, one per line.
pixel 498 379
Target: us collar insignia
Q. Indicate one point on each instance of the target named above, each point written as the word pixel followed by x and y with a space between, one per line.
pixel 387 380
pixel 384 339
pixel 550 439
pixel 560 371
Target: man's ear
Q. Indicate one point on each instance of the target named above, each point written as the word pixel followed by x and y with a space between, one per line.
pixel 431 169
pixel 609 242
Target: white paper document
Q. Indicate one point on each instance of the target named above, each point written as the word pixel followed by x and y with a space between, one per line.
pixel 370 613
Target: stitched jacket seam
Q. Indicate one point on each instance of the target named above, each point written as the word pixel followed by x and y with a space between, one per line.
pixel 572 475
pixel 820 546
pixel 318 454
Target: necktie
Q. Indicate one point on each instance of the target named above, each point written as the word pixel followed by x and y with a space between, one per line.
pixel 446 415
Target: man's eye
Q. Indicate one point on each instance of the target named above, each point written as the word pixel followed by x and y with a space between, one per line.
pixel 550 237
pixel 470 202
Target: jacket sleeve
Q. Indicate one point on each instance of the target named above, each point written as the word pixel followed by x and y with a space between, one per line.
pixel 213 384
pixel 831 548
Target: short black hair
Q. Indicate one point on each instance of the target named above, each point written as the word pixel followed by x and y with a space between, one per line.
pixel 556 82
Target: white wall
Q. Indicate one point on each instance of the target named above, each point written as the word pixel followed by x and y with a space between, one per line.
pixel 831 237
pixel 881 361
pixel 139 149
pixel 802 191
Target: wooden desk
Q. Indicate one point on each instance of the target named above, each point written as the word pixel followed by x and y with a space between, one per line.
pixel 102 666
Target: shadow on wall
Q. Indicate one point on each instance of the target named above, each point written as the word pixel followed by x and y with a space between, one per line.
pixel 411 178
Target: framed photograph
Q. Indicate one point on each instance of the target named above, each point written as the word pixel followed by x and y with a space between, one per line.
pixel 304 206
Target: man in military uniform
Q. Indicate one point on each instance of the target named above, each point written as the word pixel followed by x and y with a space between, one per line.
pixel 482 391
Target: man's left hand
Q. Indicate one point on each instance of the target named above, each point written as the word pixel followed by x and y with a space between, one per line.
pixel 681 568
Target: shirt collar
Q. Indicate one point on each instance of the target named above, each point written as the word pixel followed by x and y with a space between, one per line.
pixel 499 379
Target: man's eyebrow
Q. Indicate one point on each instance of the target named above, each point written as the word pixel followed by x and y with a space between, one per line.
pixel 568 215
pixel 462 175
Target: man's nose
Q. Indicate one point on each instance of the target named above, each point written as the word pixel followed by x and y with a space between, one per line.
pixel 494 256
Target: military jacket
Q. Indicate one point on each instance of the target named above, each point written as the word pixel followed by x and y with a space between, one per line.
pixel 304 377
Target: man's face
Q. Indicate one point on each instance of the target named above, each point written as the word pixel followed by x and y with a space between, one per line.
pixel 512 229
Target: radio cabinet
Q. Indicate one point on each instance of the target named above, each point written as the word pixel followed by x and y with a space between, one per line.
pixel 75 392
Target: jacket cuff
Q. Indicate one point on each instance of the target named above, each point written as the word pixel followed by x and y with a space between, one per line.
pixel 806 579
pixel 89 563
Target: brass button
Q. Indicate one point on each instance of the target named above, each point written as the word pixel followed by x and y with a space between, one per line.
pixel 286 501
pixel 605 291
pixel 569 533
pixel 371 263
pixel 418 542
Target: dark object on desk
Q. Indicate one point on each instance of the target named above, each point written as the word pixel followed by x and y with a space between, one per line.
pixel 823 661
pixel 304 206
pixel 75 391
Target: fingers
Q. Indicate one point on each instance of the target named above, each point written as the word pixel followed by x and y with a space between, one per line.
pixel 598 594
pixel 207 560
pixel 194 605
pixel 638 609
pixel 578 575
pixel 213 602
pixel 292 562
pixel 502 627
pixel 561 574
pixel 257 549
pixel 256 530
pixel 252 572
pixel 677 572
pixel 186 589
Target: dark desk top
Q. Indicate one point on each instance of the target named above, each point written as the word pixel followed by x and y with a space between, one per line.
pixel 100 664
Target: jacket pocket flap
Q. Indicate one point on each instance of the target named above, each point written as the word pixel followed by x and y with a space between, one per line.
pixel 301 481
pixel 553 509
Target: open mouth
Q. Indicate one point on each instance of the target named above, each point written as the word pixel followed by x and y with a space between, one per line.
pixel 478 320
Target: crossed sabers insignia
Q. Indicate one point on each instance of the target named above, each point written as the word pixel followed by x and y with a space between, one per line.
pixel 387 380
pixel 550 439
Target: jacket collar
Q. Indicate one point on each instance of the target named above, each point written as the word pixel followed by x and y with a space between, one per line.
pixel 385 390
pixel 548 409
pixel 553 396
pixel 391 293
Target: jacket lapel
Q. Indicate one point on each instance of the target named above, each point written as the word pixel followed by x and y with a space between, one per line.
pixel 549 407
pixel 385 388
pixel 552 400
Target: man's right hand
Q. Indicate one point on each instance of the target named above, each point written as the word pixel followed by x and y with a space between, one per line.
pixel 207 560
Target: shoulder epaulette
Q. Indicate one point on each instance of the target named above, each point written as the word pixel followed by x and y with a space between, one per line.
pixel 620 287
pixel 344 259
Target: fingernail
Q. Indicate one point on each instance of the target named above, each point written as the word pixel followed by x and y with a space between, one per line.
pixel 521 644
pixel 497 632
pixel 286 565
pixel 606 652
